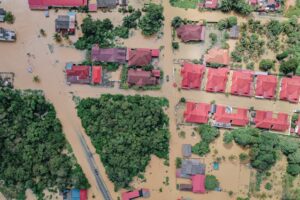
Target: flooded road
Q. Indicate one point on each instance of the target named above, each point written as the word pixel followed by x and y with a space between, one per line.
pixel 33 50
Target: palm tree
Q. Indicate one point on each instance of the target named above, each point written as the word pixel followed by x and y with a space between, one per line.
pixel 57 37
pixel 36 79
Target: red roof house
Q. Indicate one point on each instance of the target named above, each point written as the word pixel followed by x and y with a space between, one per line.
pixel 266 86
pixel 92 5
pixel 135 194
pixel 116 55
pixel 192 75
pixel 141 78
pixel 78 74
pixel 196 112
pixel 45 4
pixel 242 83
pixel 198 182
pixel 217 56
pixel 191 32
pixel 216 79
pixel 211 4
pixel 238 118
pixel 139 57
pixel 266 120
pixel 290 89
pixel 83 194
pixel 97 75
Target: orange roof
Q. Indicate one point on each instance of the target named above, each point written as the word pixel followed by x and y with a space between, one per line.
pixel 217 56
pixel 97 74
pixel 242 83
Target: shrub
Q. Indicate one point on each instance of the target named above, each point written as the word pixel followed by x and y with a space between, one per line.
pixel 266 64
pixel 175 45
pixel 228 137
pixel 243 157
pixel 201 148
pixel 268 186
pixel 211 182
pixel 178 162
pixel 176 22
pixel 289 66
pixel 9 18
pixel 213 38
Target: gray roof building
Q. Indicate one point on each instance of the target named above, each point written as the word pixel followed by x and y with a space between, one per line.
pixel 107 3
pixel 186 150
pixel 2 14
pixel 185 187
pixel 7 35
pixel 192 167
pixel 234 32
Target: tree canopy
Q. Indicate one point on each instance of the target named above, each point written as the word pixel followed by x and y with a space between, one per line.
pixel 152 21
pixel 33 149
pixel 125 131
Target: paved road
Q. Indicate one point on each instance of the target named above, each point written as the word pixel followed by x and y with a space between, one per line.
pixel 89 156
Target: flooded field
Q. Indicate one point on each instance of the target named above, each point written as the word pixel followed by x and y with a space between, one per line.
pixel 47 60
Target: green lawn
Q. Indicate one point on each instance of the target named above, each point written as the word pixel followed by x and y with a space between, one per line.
pixel 185 3
pixel 295 10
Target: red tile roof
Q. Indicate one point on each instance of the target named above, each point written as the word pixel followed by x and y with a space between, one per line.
pixel 78 74
pixel 97 74
pixel 139 57
pixel 196 112
pixel 212 4
pixel 242 83
pixel 266 86
pixel 83 194
pixel 130 195
pixel 192 75
pixel 238 118
pixel 44 4
pixel 216 79
pixel 93 5
pixel 191 32
pixel 265 120
pixel 116 55
pixel 217 56
pixel 198 182
pixel 141 78
pixel 290 89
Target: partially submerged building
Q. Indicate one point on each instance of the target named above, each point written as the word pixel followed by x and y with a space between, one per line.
pixel 211 4
pixel 196 112
pixel 217 79
pixel 290 89
pixel 75 194
pixel 46 4
pixel 266 5
pixel 217 57
pixel 186 150
pixel 266 86
pixel 140 78
pixel 242 83
pixel 66 24
pixel 269 120
pixel 7 35
pixel 198 183
pixel 114 55
pixel 191 32
pixel 190 168
pixel 234 32
pixel 130 195
pixel 141 56
pixel 192 75
pixel 107 3
pixel 226 117
pixel 78 74
pixel 2 14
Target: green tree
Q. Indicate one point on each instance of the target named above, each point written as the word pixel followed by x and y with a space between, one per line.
pixel 228 138
pixel 243 157
pixel 176 22
pixel 9 17
pixel 268 186
pixel 282 55
pixel 211 182
pixel 289 66
pixel 175 45
pixel 152 21
pixel 266 64
pixel 201 148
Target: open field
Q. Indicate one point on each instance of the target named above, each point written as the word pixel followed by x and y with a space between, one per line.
pixel 31 49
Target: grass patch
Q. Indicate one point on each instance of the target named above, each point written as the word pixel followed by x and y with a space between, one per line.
pixel 185 3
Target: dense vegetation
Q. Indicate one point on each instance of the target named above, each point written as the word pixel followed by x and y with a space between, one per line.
pixel 33 149
pixel 126 131
pixel 239 6
pixel 211 182
pixel 152 21
pixel 208 134
pixel 264 149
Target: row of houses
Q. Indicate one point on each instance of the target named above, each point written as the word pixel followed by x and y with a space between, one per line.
pixel 134 57
pixel 92 4
pixel 244 82
pixel 226 117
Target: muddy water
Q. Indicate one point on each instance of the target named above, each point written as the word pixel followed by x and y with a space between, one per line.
pixel 49 67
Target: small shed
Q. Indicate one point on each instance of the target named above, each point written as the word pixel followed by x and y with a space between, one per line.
pixel 185 187
pixel 234 32
pixel 186 150
pixel 2 14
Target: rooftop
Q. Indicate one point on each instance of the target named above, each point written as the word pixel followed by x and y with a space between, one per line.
pixel 217 79
pixel 196 112
pixel 191 32
pixel 217 56
pixel 266 120
pixel 290 89
pixel 266 86
pixel 242 83
pixel 227 116
pixel 192 75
